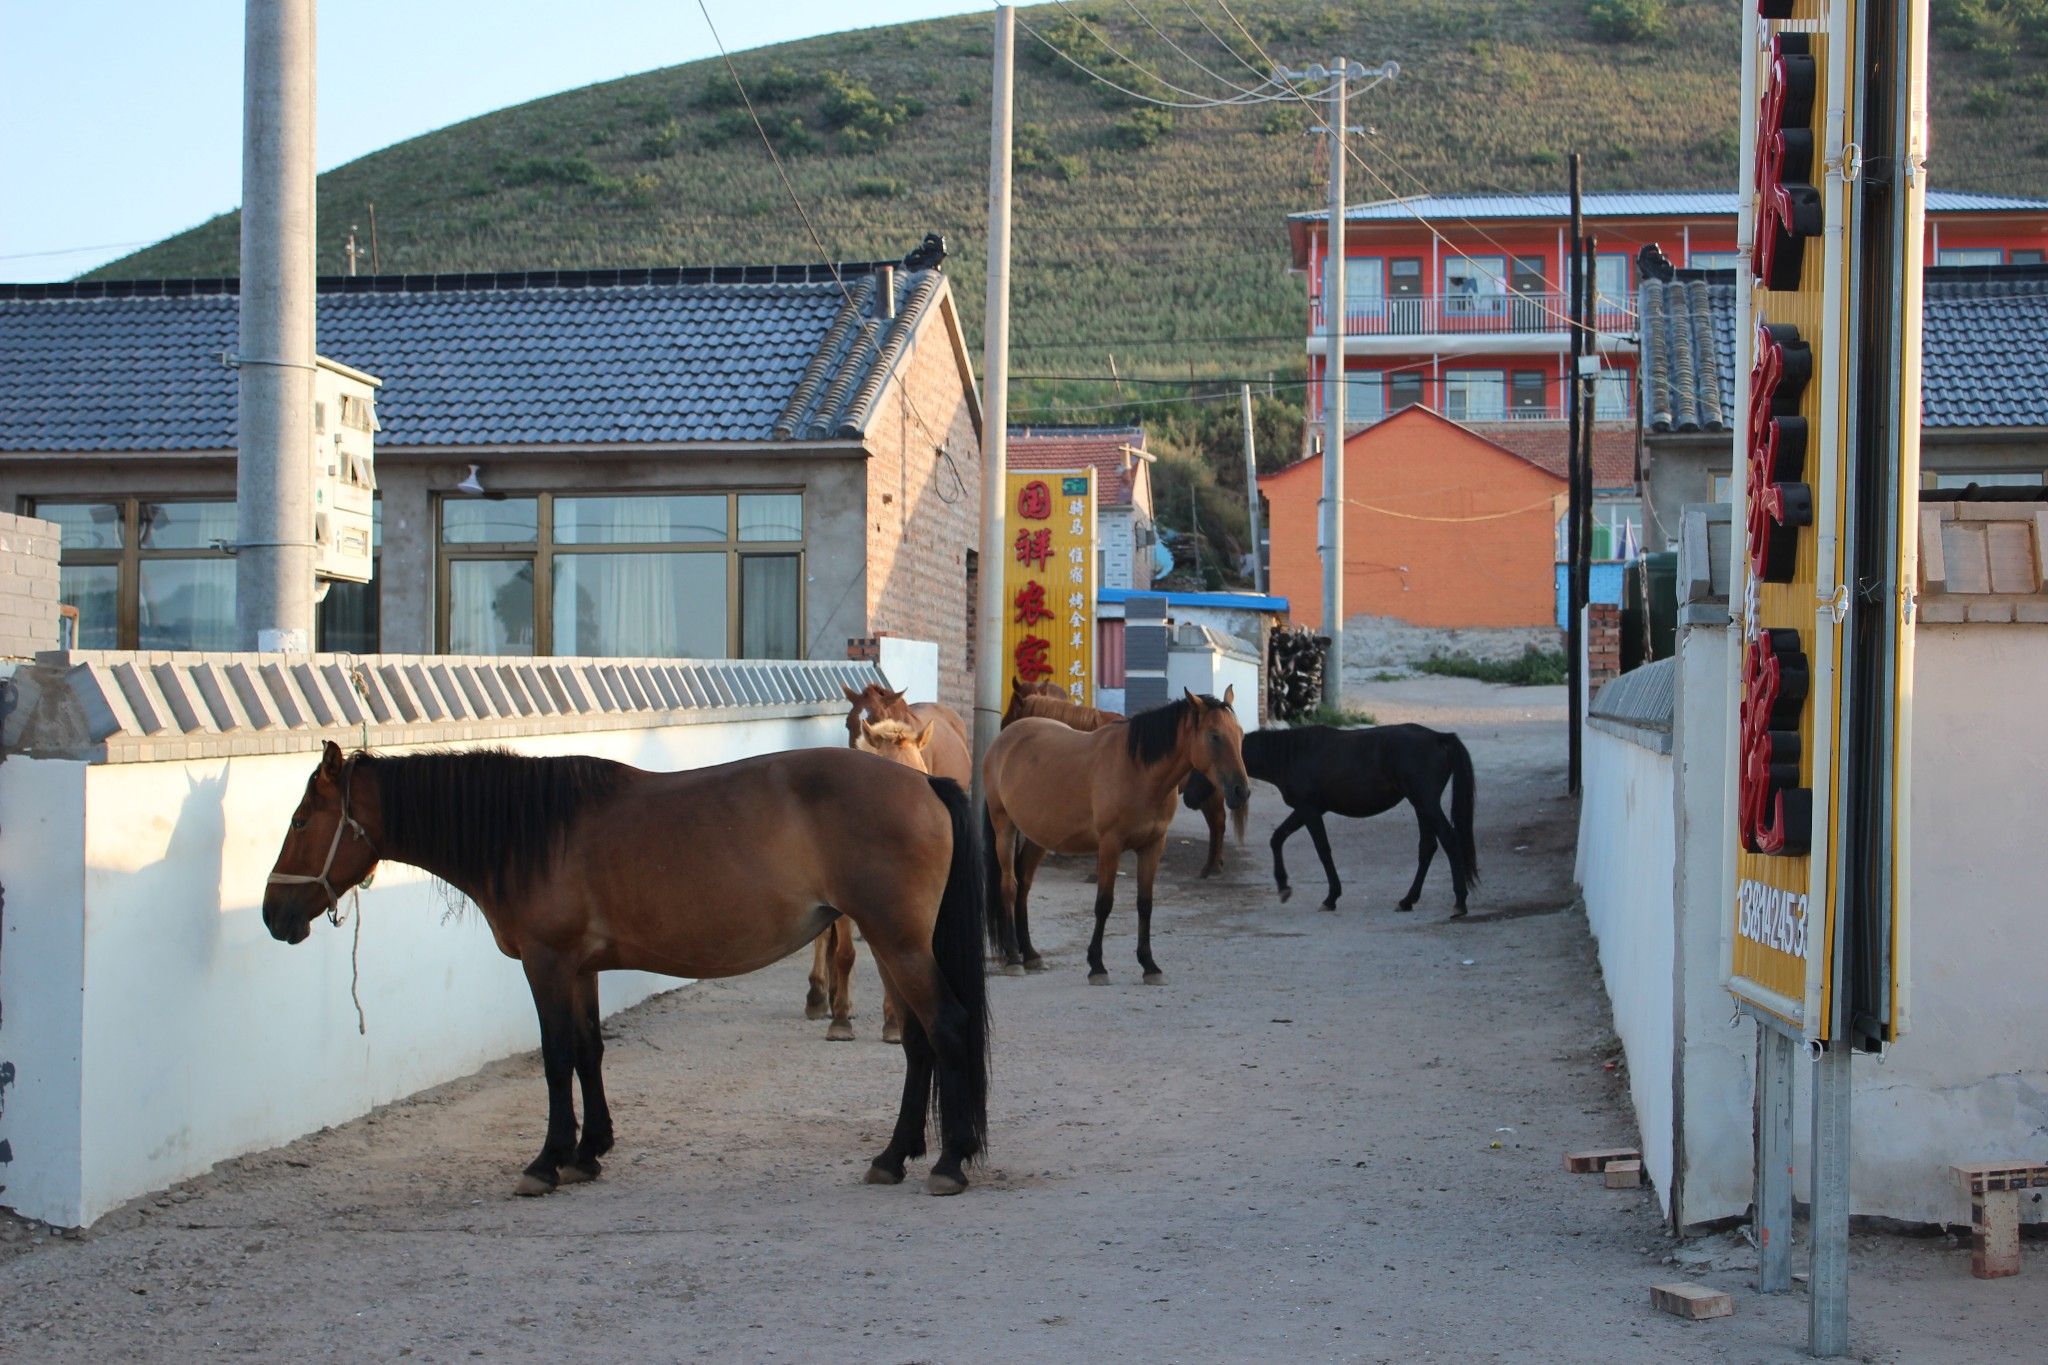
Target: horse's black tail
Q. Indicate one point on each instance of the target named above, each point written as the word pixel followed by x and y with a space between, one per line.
pixel 1465 850
pixel 962 1092
pixel 1197 792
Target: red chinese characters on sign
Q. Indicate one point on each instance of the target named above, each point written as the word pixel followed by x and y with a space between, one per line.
pixel 1780 500
pixel 1034 501
pixel 1774 813
pixel 1030 659
pixel 1030 605
pixel 1788 205
pixel 1034 547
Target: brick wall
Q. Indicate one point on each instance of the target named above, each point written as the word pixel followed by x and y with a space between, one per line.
pixel 28 586
pixel 924 507
pixel 1603 645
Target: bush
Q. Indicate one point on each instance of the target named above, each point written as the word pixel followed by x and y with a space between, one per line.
pixel 862 119
pixel 574 172
pixel 1070 168
pixel 1283 119
pixel 1626 21
pixel 776 85
pixel 1536 668
pixel 663 143
pixel 1141 128
pixel 1030 147
pixel 877 187
pixel 1986 101
pixel 1342 717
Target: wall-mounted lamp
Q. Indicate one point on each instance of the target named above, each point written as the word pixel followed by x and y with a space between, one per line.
pixel 471 485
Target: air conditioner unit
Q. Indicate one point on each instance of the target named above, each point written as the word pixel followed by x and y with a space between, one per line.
pixel 344 472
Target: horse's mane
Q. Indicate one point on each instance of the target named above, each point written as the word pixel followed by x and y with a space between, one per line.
pixel 1068 713
pixel 487 819
pixel 1153 733
pixel 892 731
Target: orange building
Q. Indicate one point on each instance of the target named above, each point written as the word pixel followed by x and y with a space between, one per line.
pixel 1443 529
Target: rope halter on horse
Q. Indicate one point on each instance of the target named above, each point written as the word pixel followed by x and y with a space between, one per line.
pixel 346 822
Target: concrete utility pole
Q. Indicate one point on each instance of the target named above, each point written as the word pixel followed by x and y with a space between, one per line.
pixel 995 403
pixel 274 468
pixel 1251 482
pixel 1575 641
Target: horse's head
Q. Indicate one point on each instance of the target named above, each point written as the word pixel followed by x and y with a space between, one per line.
pixel 1215 746
pixel 873 702
pixel 329 848
pixel 898 741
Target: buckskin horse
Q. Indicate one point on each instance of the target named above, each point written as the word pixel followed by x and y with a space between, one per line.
pixel 582 865
pixel 1360 773
pixel 831 986
pixel 1107 791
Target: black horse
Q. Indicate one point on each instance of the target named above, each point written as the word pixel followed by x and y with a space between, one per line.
pixel 1321 771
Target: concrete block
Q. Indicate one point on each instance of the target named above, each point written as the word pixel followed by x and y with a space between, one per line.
pixel 1596 1159
pixel 1622 1175
pixel 1939 611
pixel 1990 610
pixel 1695 1302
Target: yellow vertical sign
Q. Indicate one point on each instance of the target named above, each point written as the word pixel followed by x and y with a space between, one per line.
pixel 1049 580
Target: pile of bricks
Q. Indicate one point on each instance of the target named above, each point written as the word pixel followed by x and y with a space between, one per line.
pixel 1603 644
pixel 28 586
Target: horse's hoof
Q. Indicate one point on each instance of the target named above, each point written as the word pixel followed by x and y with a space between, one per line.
pixel 573 1174
pixel 1285 893
pixel 934 1183
pixel 531 1186
pixel 892 1033
pixel 1036 964
pixel 815 1009
pixel 1404 907
pixel 1206 873
pixel 1098 978
pixel 1013 969
pixel 839 1032
pixel 1330 906
pixel 1458 913
pixel 878 1176
pixel 1155 978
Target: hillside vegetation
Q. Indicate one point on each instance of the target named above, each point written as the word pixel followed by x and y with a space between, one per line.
pixel 1149 235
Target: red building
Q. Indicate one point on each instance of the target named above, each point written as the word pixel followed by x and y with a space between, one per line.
pixel 1458 302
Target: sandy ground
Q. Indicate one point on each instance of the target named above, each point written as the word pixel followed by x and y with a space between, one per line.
pixel 1328 1137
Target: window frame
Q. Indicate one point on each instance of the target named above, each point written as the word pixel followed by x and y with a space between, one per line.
pixel 127 558
pixel 542 551
pixel 1467 382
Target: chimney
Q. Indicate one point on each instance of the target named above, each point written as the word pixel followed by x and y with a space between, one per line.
pixel 885 291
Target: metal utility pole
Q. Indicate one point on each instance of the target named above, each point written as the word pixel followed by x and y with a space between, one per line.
pixel 1251 483
pixel 1575 638
pixel 274 467
pixel 1589 411
pixel 995 406
pixel 1333 402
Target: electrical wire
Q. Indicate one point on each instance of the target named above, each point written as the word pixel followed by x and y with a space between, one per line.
pixel 1197 101
pixel 1146 20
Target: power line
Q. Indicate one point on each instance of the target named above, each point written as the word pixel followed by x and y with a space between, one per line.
pixel 1198 101
pixel 72 250
pixel 1145 19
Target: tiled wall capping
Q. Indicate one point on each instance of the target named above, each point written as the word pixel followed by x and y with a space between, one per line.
pixel 123 706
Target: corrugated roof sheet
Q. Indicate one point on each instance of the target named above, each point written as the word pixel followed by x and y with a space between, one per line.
pixel 1621 204
pixel 742 354
pixel 1984 351
pixel 1072 447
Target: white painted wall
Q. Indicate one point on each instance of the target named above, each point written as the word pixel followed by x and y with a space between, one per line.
pixel 155 1026
pixel 911 666
pixel 1212 672
pixel 1625 867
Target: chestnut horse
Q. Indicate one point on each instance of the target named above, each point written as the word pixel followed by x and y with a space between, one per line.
pixel 1019 690
pixel 1107 791
pixel 1070 714
pixel 950 753
pixel 832 957
pixel 582 865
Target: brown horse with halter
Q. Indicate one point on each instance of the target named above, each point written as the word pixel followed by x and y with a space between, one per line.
pixel 582 865
pixel 831 987
pixel 1052 788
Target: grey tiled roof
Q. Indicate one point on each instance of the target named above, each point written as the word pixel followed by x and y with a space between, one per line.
pixel 1984 349
pixel 1621 204
pixel 595 357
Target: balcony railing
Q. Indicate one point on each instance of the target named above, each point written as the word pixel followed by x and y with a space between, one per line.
pixel 1467 315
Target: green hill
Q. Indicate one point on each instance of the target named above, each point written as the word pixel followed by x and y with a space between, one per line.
pixel 1149 235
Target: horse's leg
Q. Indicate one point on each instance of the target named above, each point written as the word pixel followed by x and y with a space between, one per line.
pixel 1423 857
pixel 597 1115
pixel 1007 840
pixel 1447 834
pixel 840 1030
pixel 935 1034
pixel 821 970
pixel 1029 856
pixel 1322 842
pixel 554 1000
pixel 1294 821
pixel 908 1139
pixel 1212 812
pixel 1148 865
pixel 1107 855
pixel 892 1014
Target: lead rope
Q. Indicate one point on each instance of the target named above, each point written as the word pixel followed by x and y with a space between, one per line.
pixel 355 895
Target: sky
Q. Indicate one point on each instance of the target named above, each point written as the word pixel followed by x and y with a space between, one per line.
pixel 120 120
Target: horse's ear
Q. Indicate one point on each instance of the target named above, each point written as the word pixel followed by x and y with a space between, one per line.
pixel 1230 694
pixel 924 736
pixel 867 734
pixel 851 695
pixel 331 758
pixel 1193 700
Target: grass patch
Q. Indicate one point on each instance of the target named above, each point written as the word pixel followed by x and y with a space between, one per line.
pixel 1342 717
pixel 1536 668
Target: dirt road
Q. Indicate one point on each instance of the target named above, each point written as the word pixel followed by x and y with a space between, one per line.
pixel 1328 1137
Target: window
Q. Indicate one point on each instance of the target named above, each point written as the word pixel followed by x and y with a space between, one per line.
pixel 2004 478
pixel 1617 528
pixel 1404 285
pixel 1475 395
pixel 1970 255
pixel 1611 307
pixel 1364 285
pixel 347 619
pixel 1714 260
pixel 146 574
pixel 1364 397
pixel 1532 310
pixel 1610 396
pixel 1531 389
pixel 1404 390
pixel 1475 285
pixel 662 575
pixel 2024 257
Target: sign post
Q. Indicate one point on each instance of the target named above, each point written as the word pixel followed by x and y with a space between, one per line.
pixel 1834 115
pixel 1049 580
